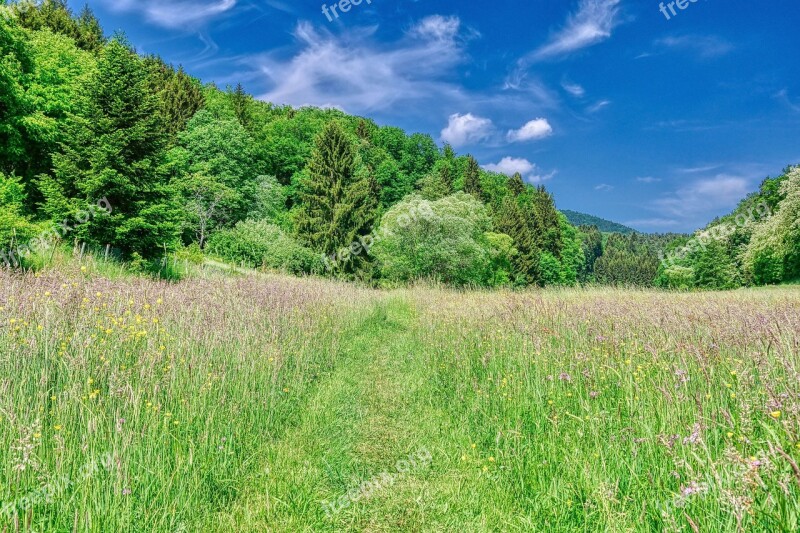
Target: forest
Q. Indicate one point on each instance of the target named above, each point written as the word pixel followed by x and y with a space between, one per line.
pixel 191 170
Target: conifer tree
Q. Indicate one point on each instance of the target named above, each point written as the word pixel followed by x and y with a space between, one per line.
pixel 115 151
pixel 511 221
pixel 241 106
pixel 472 179
pixel 516 185
pixel 338 199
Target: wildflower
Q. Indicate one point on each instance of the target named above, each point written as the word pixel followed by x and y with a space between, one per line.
pixel 58 427
pixel 491 459
pixel 126 492
pixel 775 414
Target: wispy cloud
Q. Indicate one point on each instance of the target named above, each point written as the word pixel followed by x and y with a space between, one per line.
pixel 174 14
pixel 592 23
pixel 466 129
pixel 648 179
pixel 356 72
pixel 574 89
pixel 536 129
pixel 701 46
pixel 658 224
pixel 783 97
pixel 592 109
pixel 511 165
pixel 605 187
pixel 696 170
pixel 700 201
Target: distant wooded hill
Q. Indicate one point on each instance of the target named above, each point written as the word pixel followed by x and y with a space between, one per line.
pixel 606 226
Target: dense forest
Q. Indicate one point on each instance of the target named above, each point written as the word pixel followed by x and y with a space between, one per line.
pixel 606 226
pixel 128 154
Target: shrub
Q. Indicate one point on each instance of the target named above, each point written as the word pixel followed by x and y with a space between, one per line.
pixel 444 240
pixel 258 243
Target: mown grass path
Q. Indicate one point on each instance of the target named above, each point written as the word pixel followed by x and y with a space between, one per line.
pixel 371 412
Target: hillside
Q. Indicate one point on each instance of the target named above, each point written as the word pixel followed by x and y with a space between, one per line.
pixel 203 172
pixel 606 226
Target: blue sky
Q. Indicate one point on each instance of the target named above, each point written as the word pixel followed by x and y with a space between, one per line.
pixel 661 123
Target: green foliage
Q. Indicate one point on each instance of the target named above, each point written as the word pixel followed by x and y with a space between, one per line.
pixel 216 169
pixel 628 260
pixel 443 240
pixel 472 179
pixel 338 202
pixel 269 200
pixel 550 268
pixel 56 16
pixel 263 244
pixel 592 248
pixel 572 253
pixel 502 254
pixel 605 226
pixel 56 85
pixel 16 66
pixel 510 220
pixel 773 254
pixel 15 229
pixel 115 150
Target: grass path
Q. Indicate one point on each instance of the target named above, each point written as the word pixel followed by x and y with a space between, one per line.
pixel 371 412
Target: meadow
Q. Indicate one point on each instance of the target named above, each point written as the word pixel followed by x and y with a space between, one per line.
pixel 269 403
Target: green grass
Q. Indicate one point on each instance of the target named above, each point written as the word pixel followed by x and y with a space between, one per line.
pixel 242 404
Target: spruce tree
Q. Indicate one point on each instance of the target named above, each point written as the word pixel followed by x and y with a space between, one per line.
pixel 181 98
pixel 241 106
pixel 338 199
pixel 516 185
pixel 472 179
pixel 511 220
pixel 115 150
pixel 545 223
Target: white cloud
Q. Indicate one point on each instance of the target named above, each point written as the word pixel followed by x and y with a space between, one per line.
pixel 783 97
pixel 590 24
pixel 359 74
pixel 535 129
pixel 574 89
pixel 466 129
pixel 598 106
pixel 511 165
pixel 653 223
pixel 182 14
pixel 703 199
pixel 437 27
pixel 605 187
pixel 648 179
pixel 703 46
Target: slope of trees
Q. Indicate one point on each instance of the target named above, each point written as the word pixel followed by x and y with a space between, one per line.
pixel 85 119
pixel 757 244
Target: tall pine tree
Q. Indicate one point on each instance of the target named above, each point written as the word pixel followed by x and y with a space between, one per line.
pixel 510 220
pixel 338 199
pixel 516 185
pixel 115 150
pixel 472 179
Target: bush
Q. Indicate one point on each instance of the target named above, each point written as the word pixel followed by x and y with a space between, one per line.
pixel 444 240
pixel 676 277
pixel 258 243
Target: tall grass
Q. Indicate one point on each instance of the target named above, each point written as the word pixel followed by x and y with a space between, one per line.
pixel 242 404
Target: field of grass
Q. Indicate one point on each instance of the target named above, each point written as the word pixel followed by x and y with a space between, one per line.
pixel 261 403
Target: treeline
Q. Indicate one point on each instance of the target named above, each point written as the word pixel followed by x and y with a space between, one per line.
pixel 757 244
pixel 86 121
